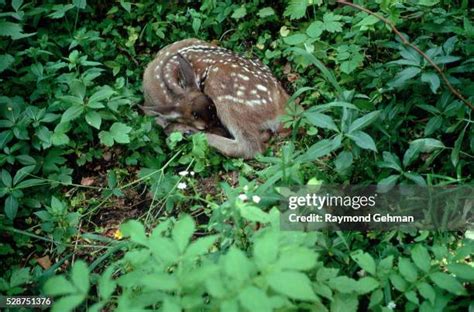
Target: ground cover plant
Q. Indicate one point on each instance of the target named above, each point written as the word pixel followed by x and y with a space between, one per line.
pixel 102 211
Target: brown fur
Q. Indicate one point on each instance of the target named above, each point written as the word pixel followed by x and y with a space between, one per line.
pixel 192 85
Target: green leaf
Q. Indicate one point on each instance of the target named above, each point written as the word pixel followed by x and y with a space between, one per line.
pixel 344 303
pixel 295 285
pixel 6 60
pixel 60 10
pixel 427 292
pixel 100 95
pixel 433 124
pixel 296 9
pixel 12 30
pixel 448 282
pixel 428 2
pixel 265 249
pixel 398 282
pixel 457 148
pixel 415 177
pixel 321 120
pixel 375 299
pixel 196 25
pixel 67 303
pixel 182 232
pixel 106 285
pixel 200 246
pixel 366 285
pixel 94 119
pixel 59 138
pixel 320 149
pixel 58 285
pixel 11 207
pixel 331 22
pixel 119 132
pixel 325 274
pixel 72 113
pixel 159 281
pixel 164 249
pixel 126 5
pixel 30 183
pixel 135 230
pixel 315 29
pixel 106 138
pixel 239 13
pixel 343 161
pixel 355 61
pixel 26 160
pixel 6 178
pixel 343 284
pixel 295 39
pixel 363 140
pixel 412 297
pixel 427 145
pixel 432 79
pixel 5 137
pixel 80 4
pixel 402 77
pixel 237 265
pixel 16 4
pixel 254 214
pixel 390 160
pixel 462 271
pixel 365 261
pixel 254 299
pixel 369 20
pixel 364 121
pixel 421 258
pixel 387 183
pixel 297 258
pixel 410 55
pixel 407 269
pixel 265 12
pixel 23 173
pixel 80 276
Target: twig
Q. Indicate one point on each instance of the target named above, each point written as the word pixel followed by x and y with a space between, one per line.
pixel 414 47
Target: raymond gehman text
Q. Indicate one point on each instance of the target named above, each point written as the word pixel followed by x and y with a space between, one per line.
pixel 329 218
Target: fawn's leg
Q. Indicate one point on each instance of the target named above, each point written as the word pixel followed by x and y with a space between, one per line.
pixel 177 127
pixel 246 143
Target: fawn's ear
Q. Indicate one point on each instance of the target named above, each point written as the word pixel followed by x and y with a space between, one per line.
pixel 186 73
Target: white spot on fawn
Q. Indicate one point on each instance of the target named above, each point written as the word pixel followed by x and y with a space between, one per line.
pixel 262 88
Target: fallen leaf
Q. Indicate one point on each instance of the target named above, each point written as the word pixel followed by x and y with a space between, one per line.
pixel 44 262
pixel 293 77
pixel 87 181
pixel 107 156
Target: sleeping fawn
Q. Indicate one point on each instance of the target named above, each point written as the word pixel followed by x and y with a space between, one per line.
pixel 192 85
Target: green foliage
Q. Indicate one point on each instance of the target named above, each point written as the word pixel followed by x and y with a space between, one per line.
pixel 78 157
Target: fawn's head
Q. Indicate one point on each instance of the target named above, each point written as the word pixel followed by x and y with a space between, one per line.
pixel 191 106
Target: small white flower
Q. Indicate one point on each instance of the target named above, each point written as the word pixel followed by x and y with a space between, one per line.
pixel 183 173
pixel 182 185
pixel 243 197
pixel 256 199
pixel 391 305
pixel 246 188
pixel 193 173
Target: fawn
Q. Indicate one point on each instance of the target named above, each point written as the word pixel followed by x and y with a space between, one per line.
pixel 192 85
